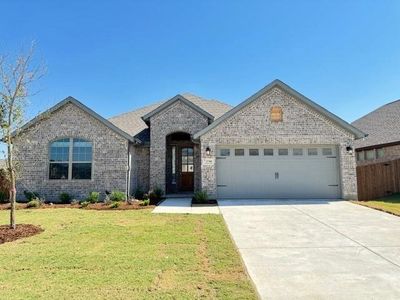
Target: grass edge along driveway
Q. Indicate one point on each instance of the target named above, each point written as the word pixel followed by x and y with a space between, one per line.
pixel 86 254
pixel 390 204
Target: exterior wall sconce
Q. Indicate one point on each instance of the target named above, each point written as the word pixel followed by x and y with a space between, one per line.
pixel 349 149
pixel 208 151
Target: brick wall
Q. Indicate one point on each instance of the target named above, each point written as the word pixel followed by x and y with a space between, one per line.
pixel 300 125
pixel 110 155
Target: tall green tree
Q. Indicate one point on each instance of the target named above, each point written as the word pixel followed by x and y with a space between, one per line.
pixel 17 74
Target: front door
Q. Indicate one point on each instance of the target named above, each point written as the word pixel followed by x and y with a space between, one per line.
pixel 187 169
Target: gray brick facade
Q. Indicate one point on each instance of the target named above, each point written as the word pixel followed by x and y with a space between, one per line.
pixel 110 155
pixel 301 125
pixel 178 117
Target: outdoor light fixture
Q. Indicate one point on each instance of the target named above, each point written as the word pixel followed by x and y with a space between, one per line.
pixel 349 149
pixel 208 151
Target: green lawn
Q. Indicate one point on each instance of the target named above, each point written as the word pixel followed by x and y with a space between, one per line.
pixel 389 204
pixel 86 254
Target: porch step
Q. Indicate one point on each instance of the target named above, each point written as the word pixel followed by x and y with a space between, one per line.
pixel 179 195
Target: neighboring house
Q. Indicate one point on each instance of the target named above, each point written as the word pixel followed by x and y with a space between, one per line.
pixel 275 144
pixel 383 140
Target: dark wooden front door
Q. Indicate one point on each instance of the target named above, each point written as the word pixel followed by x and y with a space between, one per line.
pixel 187 169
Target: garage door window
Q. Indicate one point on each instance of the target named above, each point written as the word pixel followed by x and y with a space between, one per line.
pixel 312 151
pixel 283 152
pixel 239 152
pixel 326 151
pixel 225 152
pixel 297 152
pixel 268 152
pixel 253 152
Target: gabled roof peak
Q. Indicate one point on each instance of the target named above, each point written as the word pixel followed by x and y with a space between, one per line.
pixel 171 101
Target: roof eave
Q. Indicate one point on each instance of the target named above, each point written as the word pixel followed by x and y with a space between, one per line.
pixel 146 117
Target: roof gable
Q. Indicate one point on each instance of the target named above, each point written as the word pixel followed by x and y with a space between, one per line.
pixel 171 101
pixel 84 108
pixel 277 83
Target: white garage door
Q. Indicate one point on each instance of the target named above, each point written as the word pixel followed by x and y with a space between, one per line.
pixel 277 172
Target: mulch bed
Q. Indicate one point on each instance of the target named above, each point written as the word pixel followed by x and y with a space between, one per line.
pixel 96 206
pixel 209 202
pixel 23 230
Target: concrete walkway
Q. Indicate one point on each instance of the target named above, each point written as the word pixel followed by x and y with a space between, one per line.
pixel 296 249
pixel 183 206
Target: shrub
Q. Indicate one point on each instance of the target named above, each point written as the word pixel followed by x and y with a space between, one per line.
pixel 31 195
pixel 201 197
pixel 138 194
pixel 145 202
pixel 159 192
pixel 3 197
pixel 85 204
pixel 155 195
pixel 35 203
pixel 93 197
pixel 65 198
pixel 75 202
pixel 117 196
pixel 115 204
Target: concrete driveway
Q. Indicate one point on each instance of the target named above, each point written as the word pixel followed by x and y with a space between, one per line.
pixel 316 249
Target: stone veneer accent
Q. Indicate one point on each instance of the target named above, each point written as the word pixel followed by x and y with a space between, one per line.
pixel 110 155
pixel 178 117
pixel 301 125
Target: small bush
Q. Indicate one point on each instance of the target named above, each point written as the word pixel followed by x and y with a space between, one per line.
pixel 115 204
pixel 201 197
pixel 155 195
pixel 93 197
pixel 35 203
pixel 31 195
pixel 138 194
pixel 117 196
pixel 145 202
pixel 159 192
pixel 3 197
pixel 75 202
pixel 65 198
pixel 85 204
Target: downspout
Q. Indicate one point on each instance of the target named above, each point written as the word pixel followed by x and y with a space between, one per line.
pixel 128 173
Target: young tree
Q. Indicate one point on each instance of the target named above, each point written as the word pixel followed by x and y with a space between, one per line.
pixel 16 78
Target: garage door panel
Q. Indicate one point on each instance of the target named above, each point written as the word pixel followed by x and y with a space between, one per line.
pixel 277 177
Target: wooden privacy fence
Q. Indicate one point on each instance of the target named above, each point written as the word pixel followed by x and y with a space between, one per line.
pixel 378 180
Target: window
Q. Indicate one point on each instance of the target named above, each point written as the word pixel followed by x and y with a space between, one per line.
pixel 253 152
pixel 283 152
pixel 187 160
pixel 70 158
pixel 239 152
pixel 312 151
pixel 360 156
pixel 370 154
pixel 297 151
pixel 276 114
pixel 380 153
pixel 173 154
pixel 268 152
pixel 326 151
pixel 225 152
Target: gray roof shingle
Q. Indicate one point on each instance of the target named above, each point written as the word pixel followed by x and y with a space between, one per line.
pixel 132 123
pixel 382 125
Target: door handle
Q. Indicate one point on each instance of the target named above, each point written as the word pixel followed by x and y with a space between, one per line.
pixel 276 175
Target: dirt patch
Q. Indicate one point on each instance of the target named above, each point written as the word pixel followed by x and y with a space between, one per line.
pixel 95 206
pixel 23 230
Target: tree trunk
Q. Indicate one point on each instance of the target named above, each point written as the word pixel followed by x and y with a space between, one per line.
pixel 12 183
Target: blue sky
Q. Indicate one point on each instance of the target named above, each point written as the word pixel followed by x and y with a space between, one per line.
pixel 116 56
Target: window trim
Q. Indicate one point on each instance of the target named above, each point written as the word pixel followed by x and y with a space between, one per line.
pixel 70 161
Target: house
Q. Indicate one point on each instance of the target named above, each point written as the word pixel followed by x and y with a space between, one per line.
pixel 275 144
pixel 383 140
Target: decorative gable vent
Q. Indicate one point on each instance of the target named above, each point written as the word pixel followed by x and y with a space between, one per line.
pixel 276 114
